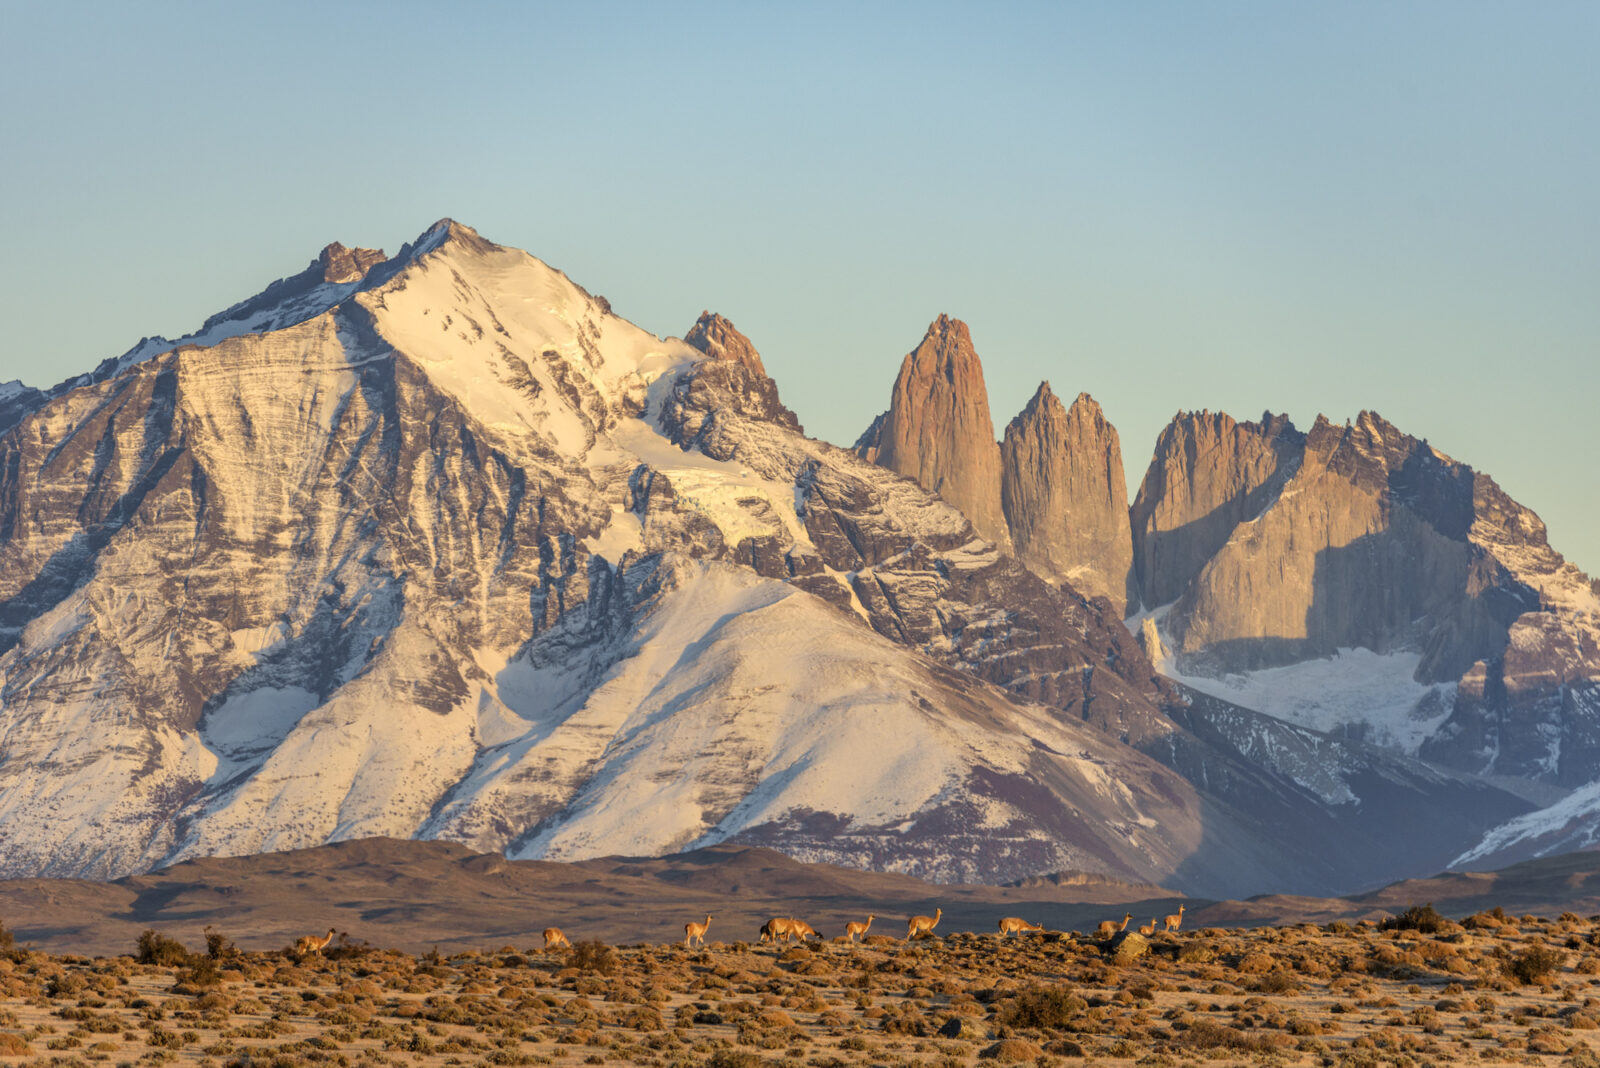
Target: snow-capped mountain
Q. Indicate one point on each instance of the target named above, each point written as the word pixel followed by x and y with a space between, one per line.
pixel 439 546
pixel 463 554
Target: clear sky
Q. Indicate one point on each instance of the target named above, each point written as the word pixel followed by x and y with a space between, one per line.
pixel 1232 205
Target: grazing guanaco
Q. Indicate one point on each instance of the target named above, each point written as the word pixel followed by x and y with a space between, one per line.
pixel 802 930
pixel 554 938
pixel 1108 928
pixel 774 929
pixel 1148 929
pixel 309 944
pixel 1016 925
pixel 693 931
pixel 923 924
pixel 1174 920
pixel 852 929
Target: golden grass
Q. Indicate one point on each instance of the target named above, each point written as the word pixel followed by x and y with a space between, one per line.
pixel 1494 992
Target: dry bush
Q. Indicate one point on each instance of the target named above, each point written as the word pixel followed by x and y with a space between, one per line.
pixel 1042 1006
pixel 1421 918
pixel 1208 1034
pixel 592 956
pixel 1012 1050
pixel 1276 982
pixel 157 948
pixel 1255 964
pixel 733 1058
pixel 1489 920
pixel 1534 964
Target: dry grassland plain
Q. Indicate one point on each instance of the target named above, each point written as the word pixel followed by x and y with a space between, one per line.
pixel 1417 989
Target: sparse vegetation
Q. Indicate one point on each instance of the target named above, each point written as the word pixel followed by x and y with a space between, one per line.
pixel 1304 996
pixel 157 948
pixel 1421 918
pixel 1534 964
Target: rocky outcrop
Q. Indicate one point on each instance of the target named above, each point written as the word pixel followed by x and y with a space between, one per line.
pixel 340 265
pixel 938 430
pixel 1208 475
pixel 1065 497
pixel 717 338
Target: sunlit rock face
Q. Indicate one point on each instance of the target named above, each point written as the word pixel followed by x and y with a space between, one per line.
pixel 1275 549
pixel 717 338
pixel 938 430
pixel 1208 475
pixel 1065 497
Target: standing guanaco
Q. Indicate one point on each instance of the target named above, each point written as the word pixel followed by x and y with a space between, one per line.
pixel 1108 928
pixel 554 938
pixel 693 931
pixel 923 924
pixel 1174 919
pixel 1016 925
pixel 852 929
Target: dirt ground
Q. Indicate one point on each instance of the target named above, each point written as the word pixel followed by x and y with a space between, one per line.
pixel 1492 989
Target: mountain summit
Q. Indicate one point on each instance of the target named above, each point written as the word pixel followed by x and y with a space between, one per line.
pixel 938 430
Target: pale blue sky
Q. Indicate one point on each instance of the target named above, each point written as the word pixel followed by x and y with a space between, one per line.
pixel 1232 206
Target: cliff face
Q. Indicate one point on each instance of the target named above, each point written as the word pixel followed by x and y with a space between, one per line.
pixel 1065 497
pixel 1365 544
pixel 938 430
pixel 1282 549
pixel 1207 476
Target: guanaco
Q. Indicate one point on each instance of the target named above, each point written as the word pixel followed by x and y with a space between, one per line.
pixel 1148 929
pixel 803 930
pixel 1174 920
pixel 693 931
pixel 312 944
pixel 923 924
pixel 1016 925
pixel 852 929
pixel 1108 928
pixel 555 938
pixel 774 929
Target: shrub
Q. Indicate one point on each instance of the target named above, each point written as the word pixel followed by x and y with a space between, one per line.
pixel 731 1058
pixel 1278 982
pixel 13 1045
pixel 1042 1006
pixel 1011 1050
pixel 594 956
pixel 1421 918
pixel 156 948
pixel 219 945
pixel 1208 1034
pixel 201 972
pixel 1533 964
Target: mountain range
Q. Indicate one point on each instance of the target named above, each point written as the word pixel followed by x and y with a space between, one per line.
pixel 438 546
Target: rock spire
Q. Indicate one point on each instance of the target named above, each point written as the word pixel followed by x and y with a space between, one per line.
pixel 938 429
pixel 1065 498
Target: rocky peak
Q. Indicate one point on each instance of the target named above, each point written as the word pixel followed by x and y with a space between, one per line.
pixel 1209 474
pixel 938 429
pixel 719 339
pixel 340 265
pixel 1064 496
